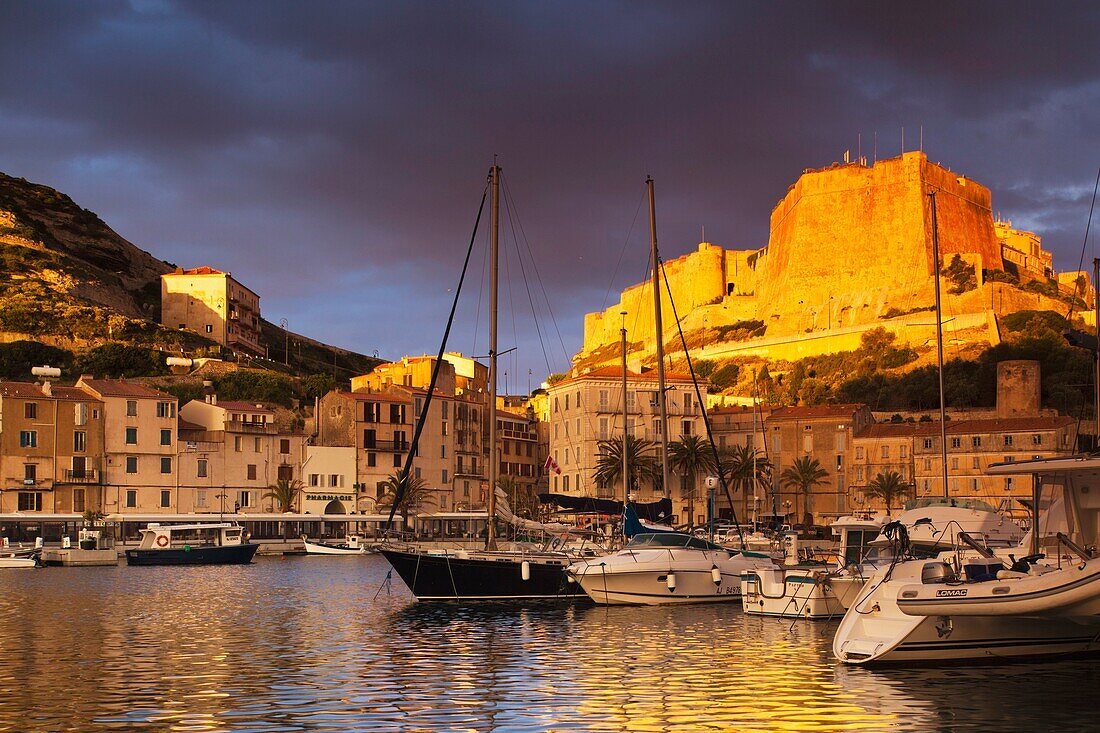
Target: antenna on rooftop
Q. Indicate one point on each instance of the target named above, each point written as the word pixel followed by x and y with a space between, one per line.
pixel 922 138
pixel 903 139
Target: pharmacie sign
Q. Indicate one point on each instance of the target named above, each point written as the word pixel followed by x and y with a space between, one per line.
pixel 329 497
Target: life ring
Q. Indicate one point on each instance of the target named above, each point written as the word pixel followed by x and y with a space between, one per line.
pixel 162 540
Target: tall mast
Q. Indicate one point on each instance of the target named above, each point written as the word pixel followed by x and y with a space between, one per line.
pixel 494 186
pixel 626 422
pixel 939 340
pixel 659 326
pixel 1096 304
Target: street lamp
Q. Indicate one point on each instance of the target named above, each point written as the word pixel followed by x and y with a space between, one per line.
pixel 286 342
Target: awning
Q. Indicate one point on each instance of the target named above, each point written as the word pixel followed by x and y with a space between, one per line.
pixel 653 512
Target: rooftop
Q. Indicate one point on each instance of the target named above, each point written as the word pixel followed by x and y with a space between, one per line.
pixel 33 391
pixel 795 412
pixel 611 372
pixel 238 406
pixel 122 388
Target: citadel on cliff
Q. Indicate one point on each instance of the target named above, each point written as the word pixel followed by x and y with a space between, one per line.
pixel 849 250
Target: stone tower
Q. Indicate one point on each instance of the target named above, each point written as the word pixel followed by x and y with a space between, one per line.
pixel 1017 388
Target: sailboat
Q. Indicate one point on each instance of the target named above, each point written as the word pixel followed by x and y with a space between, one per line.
pixel 663 566
pixel 491 574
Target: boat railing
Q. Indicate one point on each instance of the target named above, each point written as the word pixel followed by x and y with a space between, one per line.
pixel 1081 552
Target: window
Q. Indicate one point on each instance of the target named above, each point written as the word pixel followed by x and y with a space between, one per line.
pixel 839 461
pixel 567 403
pixel 465 488
pixel 166 437
pixel 976 441
pixel 80 416
pixel 565 482
pixel 443 450
pixel 927 443
pixel 131 436
pixel 885 451
pixel 603 428
pixel 131 498
pixel 372 460
pixel 78 501
pixel 244 499
pixel 507 450
pixel 841 441
pixel 956 442
pixel 444 476
pixel 256 445
pixel 859 453
pixel 1008 483
pixel 30 473
pixel 687 405
pixel 165 499
pixel 903 451
pixel 372 412
pixel 954 464
pixel 131 408
pixel 444 409
pixel 251 469
pixel 416 472
pixel 80 441
pixel 238 443
pixel 1008 440
pixel 200 498
pixel 209 328
pixel 859 473
pixel 603 399
pixel 166 409
pixel 397 461
pixel 201 466
pixel 1036 439
pixel 927 464
pixel 284 446
pixel 444 428
pixel 30 410
pixel 286 473
pixel 976 463
pixel 131 464
pixel 30 501
pixel 807 443
pixel 165 464
pixel 333 480
pixel 396 415
pixel 315 479
pixel 28 438
pixel 685 427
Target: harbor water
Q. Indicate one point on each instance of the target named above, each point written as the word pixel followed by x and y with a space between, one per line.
pixel 305 644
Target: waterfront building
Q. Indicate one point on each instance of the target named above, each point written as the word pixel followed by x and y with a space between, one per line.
pixel 51 449
pixel 214 304
pixel 822 433
pixel 140 427
pixel 879 449
pixel 732 427
pixel 517 438
pixel 329 482
pixel 231 454
pixel 588 408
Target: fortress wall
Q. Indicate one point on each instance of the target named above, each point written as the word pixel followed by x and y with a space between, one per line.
pixel 965 215
pixel 842 231
pixel 696 280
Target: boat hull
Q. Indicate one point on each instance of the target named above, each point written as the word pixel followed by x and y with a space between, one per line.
pixel 18 562
pixel 476 577
pixel 791 593
pixel 227 555
pixel 650 587
pixel 315 548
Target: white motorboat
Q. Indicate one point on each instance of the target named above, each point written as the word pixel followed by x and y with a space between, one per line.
pixel 973 601
pixel 827 591
pixel 664 568
pixel 13 558
pixel 352 545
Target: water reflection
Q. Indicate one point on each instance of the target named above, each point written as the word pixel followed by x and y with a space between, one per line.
pixel 303 644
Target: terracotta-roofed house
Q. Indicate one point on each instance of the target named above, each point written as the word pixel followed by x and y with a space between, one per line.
pixel 212 303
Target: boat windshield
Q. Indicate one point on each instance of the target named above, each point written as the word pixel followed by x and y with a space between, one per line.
pixel 671 539
pixel 928 501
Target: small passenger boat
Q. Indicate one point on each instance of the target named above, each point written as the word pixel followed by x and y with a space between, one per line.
pixel 352 545
pixel 10 558
pixel 192 544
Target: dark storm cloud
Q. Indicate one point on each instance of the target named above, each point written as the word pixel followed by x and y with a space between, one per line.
pixel 332 155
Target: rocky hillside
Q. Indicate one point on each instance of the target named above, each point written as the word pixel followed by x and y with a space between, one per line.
pixel 69 281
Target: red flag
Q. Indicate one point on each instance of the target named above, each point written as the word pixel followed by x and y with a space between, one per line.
pixel 551 465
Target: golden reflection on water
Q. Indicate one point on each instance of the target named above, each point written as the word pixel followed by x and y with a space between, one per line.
pixel 302 645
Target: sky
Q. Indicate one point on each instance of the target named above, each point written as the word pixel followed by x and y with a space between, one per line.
pixel 332 155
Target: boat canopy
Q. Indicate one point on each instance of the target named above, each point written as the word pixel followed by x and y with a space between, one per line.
pixel 653 512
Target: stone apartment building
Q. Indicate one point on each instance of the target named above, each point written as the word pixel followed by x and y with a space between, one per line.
pixel 140 427
pixel 231 453
pixel 51 449
pixel 733 426
pixel 824 433
pixel 212 303
pixel 588 408
pixel 517 436
pixel 879 449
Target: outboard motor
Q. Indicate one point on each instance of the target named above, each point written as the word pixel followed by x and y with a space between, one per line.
pixel 937 572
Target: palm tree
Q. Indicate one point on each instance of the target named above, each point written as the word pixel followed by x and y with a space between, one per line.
pixel 688 456
pixel 284 492
pixel 640 456
pixel 888 486
pixel 805 474
pixel 410 493
pixel 746 468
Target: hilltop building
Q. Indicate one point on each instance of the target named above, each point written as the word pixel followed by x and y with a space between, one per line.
pixel 849 249
pixel 212 303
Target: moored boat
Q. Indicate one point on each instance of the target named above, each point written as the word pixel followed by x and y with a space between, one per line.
pixel 12 558
pixel 1041 597
pixel 352 545
pixel 192 544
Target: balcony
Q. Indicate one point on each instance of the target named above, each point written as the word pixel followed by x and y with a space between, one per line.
pixel 87 476
pixel 398 446
pixel 236 426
